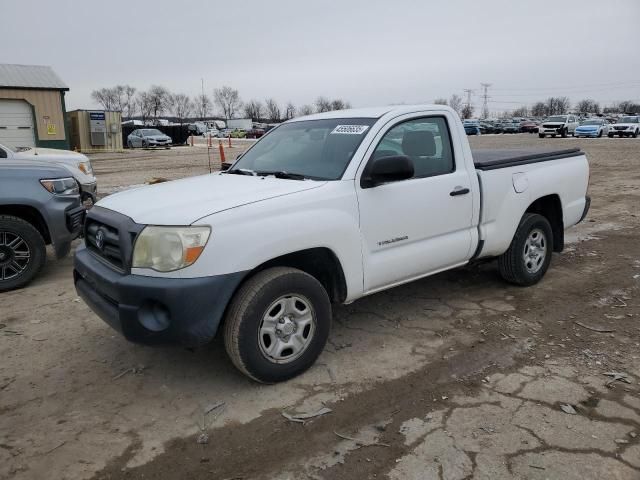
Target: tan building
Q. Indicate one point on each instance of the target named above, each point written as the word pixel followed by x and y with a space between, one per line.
pixel 32 108
pixel 95 131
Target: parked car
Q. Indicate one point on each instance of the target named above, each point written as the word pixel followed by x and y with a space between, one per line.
pixel 510 126
pixel 528 126
pixel 39 206
pixel 472 129
pixel 562 125
pixel 178 261
pixel 238 133
pixel 212 132
pixel 592 127
pixel 77 164
pixel 627 126
pixel 255 133
pixel 148 137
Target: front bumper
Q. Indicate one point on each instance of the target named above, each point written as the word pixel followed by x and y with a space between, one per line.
pixel 153 310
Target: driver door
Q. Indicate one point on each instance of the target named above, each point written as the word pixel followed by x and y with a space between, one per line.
pixel 418 226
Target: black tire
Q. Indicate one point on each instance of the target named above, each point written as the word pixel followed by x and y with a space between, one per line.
pixel 599 133
pixel 553 135
pixel 563 133
pixel 244 319
pixel 16 270
pixel 129 144
pixel 541 135
pixel 512 265
pixel 635 134
pixel 144 144
pixel 610 135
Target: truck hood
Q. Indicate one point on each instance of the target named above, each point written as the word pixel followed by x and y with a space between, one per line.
pixel 182 202
pixel 50 153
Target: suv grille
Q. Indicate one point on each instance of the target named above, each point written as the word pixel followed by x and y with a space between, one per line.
pixel 621 127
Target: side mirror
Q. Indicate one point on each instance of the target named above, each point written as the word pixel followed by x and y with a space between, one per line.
pixel 225 166
pixel 387 169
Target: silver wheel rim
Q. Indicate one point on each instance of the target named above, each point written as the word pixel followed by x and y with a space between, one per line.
pixel 286 329
pixel 14 255
pixel 535 250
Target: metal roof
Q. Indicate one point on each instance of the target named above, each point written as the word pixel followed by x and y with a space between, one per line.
pixel 30 76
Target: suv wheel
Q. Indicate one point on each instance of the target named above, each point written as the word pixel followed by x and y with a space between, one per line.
pixel 277 324
pixel 610 135
pixel 541 135
pixel 22 252
pixel 529 255
pixel 634 134
pixel 563 133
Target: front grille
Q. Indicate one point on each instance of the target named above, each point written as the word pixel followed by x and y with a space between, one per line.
pixel 109 248
pixel 622 127
pixel 554 127
pixel 75 218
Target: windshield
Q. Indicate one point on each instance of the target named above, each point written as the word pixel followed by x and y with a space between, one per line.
pixel 557 118
pixel 628 120
pixel 316 149
pixel 151 131
pixel 591 122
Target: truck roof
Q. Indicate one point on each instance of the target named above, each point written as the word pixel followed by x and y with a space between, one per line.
pixel 371 112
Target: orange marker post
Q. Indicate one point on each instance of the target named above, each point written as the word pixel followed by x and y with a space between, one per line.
pixel 222 159
pixel 230 141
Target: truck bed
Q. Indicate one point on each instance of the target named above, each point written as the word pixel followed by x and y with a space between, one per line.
pixel 491 159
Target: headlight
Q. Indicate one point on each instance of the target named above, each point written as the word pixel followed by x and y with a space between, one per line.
pixel 166 249
pixel 85 167
pixel 61 186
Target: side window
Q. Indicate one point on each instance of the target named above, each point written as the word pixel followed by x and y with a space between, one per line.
pixel 425 141
pixel 3 154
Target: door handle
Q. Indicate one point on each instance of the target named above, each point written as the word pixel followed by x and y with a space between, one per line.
pixel 459 191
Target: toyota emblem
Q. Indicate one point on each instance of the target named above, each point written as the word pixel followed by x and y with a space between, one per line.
pixel 100 239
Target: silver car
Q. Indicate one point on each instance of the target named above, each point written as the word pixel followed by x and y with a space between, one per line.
pixel 148 137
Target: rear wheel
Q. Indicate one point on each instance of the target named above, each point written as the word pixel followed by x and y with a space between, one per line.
pixel 529 255
pixel 22 252
pixel 277 324
pixel 610 135
pixel 541 135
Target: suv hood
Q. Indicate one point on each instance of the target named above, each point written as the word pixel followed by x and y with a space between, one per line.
pixel 51 153
pixel 182 202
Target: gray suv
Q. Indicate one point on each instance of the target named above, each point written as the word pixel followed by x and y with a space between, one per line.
pixel 39 206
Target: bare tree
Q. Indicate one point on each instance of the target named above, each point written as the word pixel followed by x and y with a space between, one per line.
pixel 228 99
pixel 520 112
pixel 289 111
pixel 323 104
pixel 455 102
pixel 539 109
pixel 159 97
pixel 557 105
pixel 339 104
pixel 305 110
pixel 105 97
pixel 202 105
pixel 467 111
pixel 628 106
pixel 588 106
pixel 182 106
pixel 273 110
pixel 129 104
pixel 254 110
pixel 441 101
pixel 145 105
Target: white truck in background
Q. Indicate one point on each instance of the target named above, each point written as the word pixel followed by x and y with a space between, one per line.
pixel 324 209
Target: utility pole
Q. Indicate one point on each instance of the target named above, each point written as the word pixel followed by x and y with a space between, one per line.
pixel 202 98
pixel 485 99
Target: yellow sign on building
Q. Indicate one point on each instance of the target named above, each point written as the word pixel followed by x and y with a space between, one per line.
pixel 51 128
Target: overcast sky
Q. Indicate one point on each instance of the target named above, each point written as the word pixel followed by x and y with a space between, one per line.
pixel 368 52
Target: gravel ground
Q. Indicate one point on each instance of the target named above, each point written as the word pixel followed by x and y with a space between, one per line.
pixel 454 376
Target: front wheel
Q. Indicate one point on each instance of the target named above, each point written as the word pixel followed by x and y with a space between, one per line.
pixel 635 134
pixel 563 133
pixel 610 135
pixel 599 133
pixel 529 255
pixel 541 135
pixel 22 252
pixel 277 324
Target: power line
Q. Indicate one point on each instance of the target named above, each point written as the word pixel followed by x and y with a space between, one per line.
pixel 485 99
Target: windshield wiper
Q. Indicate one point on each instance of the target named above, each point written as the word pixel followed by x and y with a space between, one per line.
pixel 241 171
pixel 283 174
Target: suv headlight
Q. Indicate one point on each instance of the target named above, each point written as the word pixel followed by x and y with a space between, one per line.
pixel 166 249
pixel 85 167
pixel 61 186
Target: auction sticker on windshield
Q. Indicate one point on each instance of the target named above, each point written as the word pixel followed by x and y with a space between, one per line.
pixel 350 129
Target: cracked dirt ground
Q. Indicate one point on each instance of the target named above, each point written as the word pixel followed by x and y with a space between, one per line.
pixel 452 377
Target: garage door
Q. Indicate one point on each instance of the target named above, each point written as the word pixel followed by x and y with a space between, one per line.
pixel 16 124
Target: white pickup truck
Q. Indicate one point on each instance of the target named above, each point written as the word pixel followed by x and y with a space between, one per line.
pixel 324 208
